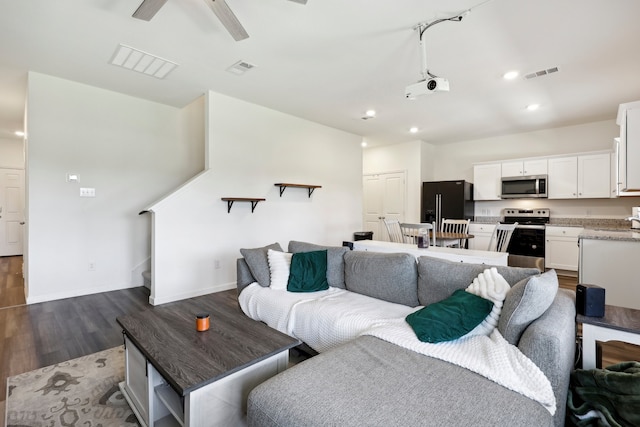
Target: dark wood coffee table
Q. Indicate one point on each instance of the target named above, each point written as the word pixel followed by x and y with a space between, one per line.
pixel 178 376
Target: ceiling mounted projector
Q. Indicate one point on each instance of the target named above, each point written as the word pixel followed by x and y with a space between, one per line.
pixel 430 82
pixel 423 87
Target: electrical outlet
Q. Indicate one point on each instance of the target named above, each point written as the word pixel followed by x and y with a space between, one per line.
pixel 87 192
pixel 216 264
pixel 92 266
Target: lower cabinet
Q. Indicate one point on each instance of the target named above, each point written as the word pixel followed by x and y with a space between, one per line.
pixel 561 247
pixel 481 236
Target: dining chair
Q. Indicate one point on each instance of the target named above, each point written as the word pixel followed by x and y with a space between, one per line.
pixel 460 226
pixel 394 231
pixel 410 232
pixel 501 237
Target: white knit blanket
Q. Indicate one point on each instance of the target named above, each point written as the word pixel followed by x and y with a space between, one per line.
pixel 326 319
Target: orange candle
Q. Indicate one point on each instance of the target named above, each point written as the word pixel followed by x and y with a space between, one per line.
pixel 202 322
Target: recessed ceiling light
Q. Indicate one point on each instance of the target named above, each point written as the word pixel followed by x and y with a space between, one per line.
pixel 510 75
pixel 533 107
pixel 370 113
pixel 19 133
pixel 413 129
pixel 363 144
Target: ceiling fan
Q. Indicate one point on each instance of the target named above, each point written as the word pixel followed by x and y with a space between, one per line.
pixel 148 8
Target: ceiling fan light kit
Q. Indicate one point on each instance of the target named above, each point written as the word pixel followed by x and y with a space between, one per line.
pixel 148 8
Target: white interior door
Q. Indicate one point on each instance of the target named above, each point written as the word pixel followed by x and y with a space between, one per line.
pixel 384 198
pixel 11 211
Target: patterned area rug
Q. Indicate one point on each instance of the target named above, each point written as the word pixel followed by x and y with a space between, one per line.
pixel 82 392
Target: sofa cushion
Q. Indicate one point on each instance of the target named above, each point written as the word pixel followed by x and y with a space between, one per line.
pixel 390 277
pixel 258 264
pixel 450 318
pixel 335 260
pixel 308 272
pixel 525 302
pixel 375 383
pixel 439 278
pixel 279 265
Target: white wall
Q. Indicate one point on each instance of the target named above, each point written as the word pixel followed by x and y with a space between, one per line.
pixel 130 150
pixel 250 149
pixel 11 153
pixel 455 161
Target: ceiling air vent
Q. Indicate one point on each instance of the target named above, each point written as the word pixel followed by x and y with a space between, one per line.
pixel 541 73
pixel 142 62
pixel 240 67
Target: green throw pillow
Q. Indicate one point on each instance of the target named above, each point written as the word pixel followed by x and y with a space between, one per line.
pixel 451 318
pixel 308 272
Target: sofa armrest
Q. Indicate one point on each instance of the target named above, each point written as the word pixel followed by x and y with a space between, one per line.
pixel 243 277
pixel 550 343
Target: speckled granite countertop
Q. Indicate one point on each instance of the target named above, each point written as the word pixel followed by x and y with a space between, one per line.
pixel 594 228
pixel 604 234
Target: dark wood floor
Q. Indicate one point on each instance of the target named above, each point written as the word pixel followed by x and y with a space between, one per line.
pixel 11 281
pixel 38 335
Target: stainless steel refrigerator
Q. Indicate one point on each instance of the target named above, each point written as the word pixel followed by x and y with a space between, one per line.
pixel 446 199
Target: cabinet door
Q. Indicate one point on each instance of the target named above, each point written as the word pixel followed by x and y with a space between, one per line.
pixel 594 176
pixel 512 169
pixel 632 148
pixel 563 178
pixel 486 181
pixel 481 236
pixel 136 381
pixel 535 167
pixel 561 247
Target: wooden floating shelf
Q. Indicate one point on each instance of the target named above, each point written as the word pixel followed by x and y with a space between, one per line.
pixel 254 201
pixel 283 186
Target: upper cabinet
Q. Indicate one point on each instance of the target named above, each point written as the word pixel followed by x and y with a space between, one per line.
pixel 524 167
pixel 629 149
pixel 486 181
pixel 585 176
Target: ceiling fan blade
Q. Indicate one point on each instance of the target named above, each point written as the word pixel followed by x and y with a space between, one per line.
pixel 299 1
pixel 148 9
pixel 228 19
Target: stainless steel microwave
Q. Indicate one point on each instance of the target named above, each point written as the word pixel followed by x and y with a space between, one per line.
pixel 521 187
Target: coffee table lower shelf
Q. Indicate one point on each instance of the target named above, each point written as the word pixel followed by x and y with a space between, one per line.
pixel 219 403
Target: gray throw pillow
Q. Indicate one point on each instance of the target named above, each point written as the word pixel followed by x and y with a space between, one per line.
pixel 335 260
pixel 390 277
pixel 258 263
pixel 525 302
pixel 439 278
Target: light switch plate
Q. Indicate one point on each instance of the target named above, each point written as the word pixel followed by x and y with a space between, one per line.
pixel 87 192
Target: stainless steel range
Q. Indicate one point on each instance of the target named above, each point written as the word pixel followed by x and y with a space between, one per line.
pixel 526 248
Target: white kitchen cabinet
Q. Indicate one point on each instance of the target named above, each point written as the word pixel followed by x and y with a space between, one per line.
pixel 629 162
pixel 486 181
pixel 594 176
pixel 585 176
pixel 481 236
pixel 524 167
pixel 561 247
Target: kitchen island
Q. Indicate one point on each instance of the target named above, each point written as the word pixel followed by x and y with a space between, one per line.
pixel 451 254
pixel 608 258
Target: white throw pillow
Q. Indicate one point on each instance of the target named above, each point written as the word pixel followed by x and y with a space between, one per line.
pixel 279 264
pixel 492 286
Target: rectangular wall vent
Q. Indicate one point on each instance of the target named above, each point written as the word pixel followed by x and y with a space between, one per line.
pixel 142 62
pixel 240 67
pixel 541 73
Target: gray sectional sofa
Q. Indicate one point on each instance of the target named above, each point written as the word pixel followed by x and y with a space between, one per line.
pixel 371 382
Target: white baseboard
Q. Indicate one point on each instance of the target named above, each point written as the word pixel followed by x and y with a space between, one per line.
pixel 154 300
pixel 75 293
